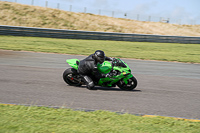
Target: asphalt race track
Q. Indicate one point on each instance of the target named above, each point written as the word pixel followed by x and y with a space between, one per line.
pixel 165 88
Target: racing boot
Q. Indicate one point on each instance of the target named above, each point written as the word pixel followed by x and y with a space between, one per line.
pixel 88 81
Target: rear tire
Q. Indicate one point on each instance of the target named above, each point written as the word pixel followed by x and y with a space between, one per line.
pixel 132 83
pixel 71 77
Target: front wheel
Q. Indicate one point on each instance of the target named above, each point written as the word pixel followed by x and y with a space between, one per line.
pixel 71 77
pixel 132 83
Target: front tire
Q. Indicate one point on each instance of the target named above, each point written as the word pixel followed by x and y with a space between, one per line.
pixel 71 77
pixel 132 83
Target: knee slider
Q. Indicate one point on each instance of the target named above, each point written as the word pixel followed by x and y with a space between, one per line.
pixel 91 84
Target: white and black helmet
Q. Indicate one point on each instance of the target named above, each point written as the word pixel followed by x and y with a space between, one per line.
pixel 99 56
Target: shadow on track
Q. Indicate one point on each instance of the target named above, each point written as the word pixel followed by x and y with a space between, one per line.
pixel 114 89
pixel 108 89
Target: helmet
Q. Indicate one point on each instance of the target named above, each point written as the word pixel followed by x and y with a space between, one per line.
pixel 99 56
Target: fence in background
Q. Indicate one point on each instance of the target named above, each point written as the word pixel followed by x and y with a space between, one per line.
pixel 90 35
pixel 117 14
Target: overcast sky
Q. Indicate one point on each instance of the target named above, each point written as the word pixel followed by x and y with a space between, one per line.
pixel 178 11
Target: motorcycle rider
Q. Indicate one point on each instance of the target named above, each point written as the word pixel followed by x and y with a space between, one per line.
pixel 88 68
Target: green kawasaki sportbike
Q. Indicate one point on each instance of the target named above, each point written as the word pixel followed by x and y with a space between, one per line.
pixel 120 74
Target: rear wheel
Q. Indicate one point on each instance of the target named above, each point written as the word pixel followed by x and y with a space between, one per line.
pixel 71 77
pixel 132 83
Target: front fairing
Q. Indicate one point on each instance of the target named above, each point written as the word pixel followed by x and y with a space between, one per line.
pixel 124 70
pixel 106 67
pixel 123 73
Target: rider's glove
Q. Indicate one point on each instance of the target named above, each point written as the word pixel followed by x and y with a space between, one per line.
pixel 108 75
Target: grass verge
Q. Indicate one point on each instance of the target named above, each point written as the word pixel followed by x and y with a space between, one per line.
pixel 137 50
pixel 17 118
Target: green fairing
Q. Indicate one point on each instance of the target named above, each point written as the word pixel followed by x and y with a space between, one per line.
pixel 105 68
pixel 114 79
pixel 72 63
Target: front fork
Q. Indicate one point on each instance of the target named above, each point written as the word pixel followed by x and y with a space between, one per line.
pixel 127 77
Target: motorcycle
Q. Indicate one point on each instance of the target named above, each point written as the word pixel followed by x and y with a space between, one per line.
pixel 119 71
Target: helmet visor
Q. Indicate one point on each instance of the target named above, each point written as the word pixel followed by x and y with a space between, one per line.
pixel 100 59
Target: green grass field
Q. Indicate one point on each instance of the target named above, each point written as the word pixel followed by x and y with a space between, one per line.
pixel 24 119
pixel 137 50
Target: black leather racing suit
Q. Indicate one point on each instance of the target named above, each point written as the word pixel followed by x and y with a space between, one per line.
pixel 88 69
